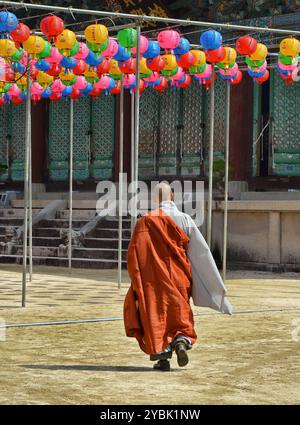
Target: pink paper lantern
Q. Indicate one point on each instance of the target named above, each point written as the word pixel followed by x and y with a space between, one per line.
pixel 83 51
pixel 57 87
pixel 103 83
pixel 129 80
pixel 179 75
pixel 153 77
pixel 111 50
pixel 144 43
pixel 231 71
pixel 81 83
pixel 168 39
pixel 205 74
pixel 55 56
pixel 36 89
pixel 14 90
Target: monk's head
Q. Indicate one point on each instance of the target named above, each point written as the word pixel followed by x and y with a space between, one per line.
pixel 162 192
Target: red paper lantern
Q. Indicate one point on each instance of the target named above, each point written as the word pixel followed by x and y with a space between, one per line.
pixel 264 78
pixel 95 92
pixel 54 70
pixel 156 64
pixel 214 56
pixel 9 74
pixel 75 95
pixel 52 26
pixel 116 89
pixel 128 67
pixel 246 45
pixel 33 71
pixel 35 98
pixel 142 87
pixel 80 67
pixel 187 60
pixel 20 34
pixel 186 83
pixel 104 66
pixel 162 85
pixel 237 79
pixel 55 96
pixel 2 101
pixel 16 100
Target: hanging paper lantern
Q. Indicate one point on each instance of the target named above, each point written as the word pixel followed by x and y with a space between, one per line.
pixel 127 37
pixel 230 56
pixel 33 70
pixel 7 47
pixel 34 45
pixel 111 50
pixel 65 41
pixel 87 89
pixel 83 51
pixel 16 100
pixel 153 50
pixel 214 56
pixel 20 34
pixel 129 66
pixel 289 46
pixel 9 74
pixel 46 52
pixel 52 26
pixel 44 79
pixel 14 90
pixel 114 68
pixel 143 66
pixel 4 87
pixel 162 85
pixel 55 97
pixel 103 83
pixel 95 92
pixel 103 68
pixel 3 100
pixel 170 62
pixel 186 60
pixel 168 39
pixel 287 60
pixel 237 79
pixel 96 33
pixel 183 47
pixel 156 64
pixel 129 81
pixel 206 74
pixel 197 69
pixel 68 62
pixel 260 53
pixel 229 73
pixel 80 67
pixel 167 73
pixel 55 56
pixel 223 65
pixel 116 89
pixel 91 76
pixel 246 45
pixel 75 95
pixel 211 40
pixel 141 88
pixel 54 70
pixel 17 56
pixel 179 75
pixel 35 91
pixel 93 60
pixel 144 42
pixel 264 78
pixel 46 93
pixel 254 64
pixel 80 83
pixel 122 54
pixel 21 81
pixel 8 22
pixel 186 82
pixel 42 65
pixel 68 78
pixel 200 57
pixel 57 86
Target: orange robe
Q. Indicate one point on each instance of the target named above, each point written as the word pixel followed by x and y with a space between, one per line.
pixel 157 307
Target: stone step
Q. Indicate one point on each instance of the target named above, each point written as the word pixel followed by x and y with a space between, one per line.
pixel 105 243
pixel 63 262
pixel 15 212
pixel 36 203
pixel 110 233
pixel 10 221
pixel 48 241
pixel 77 214
pixel 98 253
pixel 40 251
pixel 62 224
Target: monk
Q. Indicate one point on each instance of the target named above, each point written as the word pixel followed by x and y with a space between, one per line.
pixel 165 259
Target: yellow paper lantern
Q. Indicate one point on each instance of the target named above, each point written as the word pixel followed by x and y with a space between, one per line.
pixel 289 46
pixel 7 47
pixel 170 62
pixel 96 34
pixel 230 55
pixel 44 79
pixel 91 75
pixel 65 41
pixel 143 66
pixel 114 68
pixel 200 57
pixel 34 45
pixel 21 81
pixel 260 52
pixel 67 78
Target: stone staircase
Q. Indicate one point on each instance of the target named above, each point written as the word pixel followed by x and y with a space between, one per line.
pixel 98 250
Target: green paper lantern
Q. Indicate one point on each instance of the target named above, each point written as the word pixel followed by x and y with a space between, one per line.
pixel 287 60
pixel 146 75
pixel 97 48
pixel 18 55
pixel 46 52
pixel 127 37
pixel 225 66
pixel 254 64
pixel 197 69
pixel 168 73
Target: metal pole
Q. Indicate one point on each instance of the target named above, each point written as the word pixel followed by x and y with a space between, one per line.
pixel 227 138
pixel 146 18
pixel 120 238
pixel 71 185
pixel 211 155
pixel 30 208
pixel 132 159
pixel 136 129
pixel 26 182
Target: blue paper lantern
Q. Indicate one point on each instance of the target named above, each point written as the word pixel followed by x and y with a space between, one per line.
pixel 42 65
pixel 92 60
pixel 87 89
pixel 211 40
pixel 122 55
pixel 18 67
pixel 46 93
pixel 183 47
pixel 8 22
pixel 255 74
pixel 152 51
pixel 67 91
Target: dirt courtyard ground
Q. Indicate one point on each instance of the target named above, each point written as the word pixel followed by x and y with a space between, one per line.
pixel 251 357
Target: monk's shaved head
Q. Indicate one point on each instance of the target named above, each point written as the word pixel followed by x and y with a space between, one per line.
pixel 163 192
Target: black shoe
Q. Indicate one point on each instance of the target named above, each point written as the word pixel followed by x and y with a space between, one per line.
pixel 182 357
pixel 162 365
